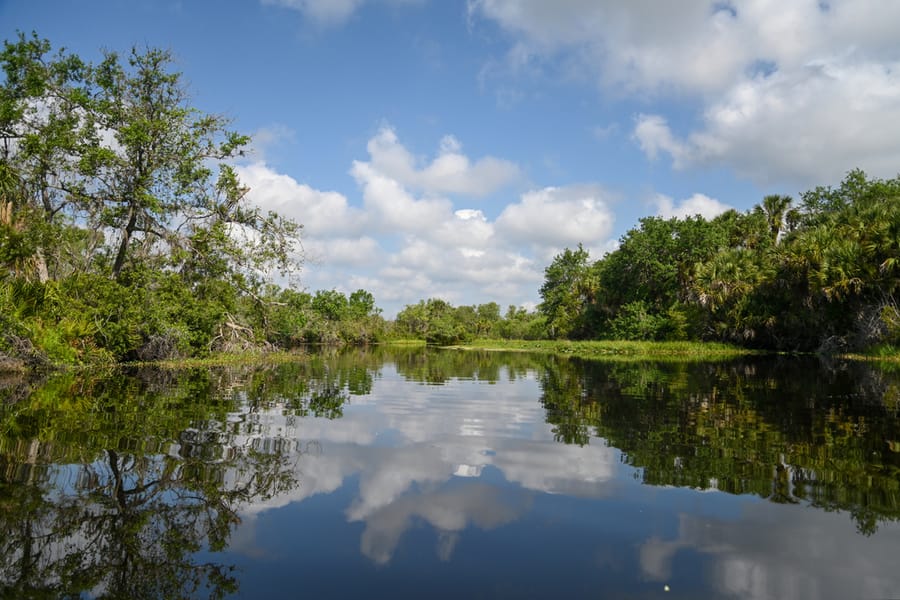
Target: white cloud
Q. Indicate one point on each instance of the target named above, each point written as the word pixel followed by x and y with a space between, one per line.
pixel 469 229
pixel 405 244
pixel 799 91
pixel 698 204
pixel 554 218
pixel 654 136
pixel 810 125
pixel 392 208
pixel 639 45
pixel 346 252
pixel 320 213
pixel 450 172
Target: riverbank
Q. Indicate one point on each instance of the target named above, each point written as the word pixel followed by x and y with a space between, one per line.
pixel 616 349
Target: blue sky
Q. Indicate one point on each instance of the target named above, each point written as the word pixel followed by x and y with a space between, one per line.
pixel 450 148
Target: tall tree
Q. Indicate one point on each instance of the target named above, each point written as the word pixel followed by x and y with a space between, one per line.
pixel 42 109
pixel 152 172
pixel 776 208
pixel 567 292
pixel 117 149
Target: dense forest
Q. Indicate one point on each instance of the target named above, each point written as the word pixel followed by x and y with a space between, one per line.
pixel 124 230
pixel 125 234
pixel 820 276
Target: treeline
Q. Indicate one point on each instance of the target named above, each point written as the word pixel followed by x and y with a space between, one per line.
pixel 819 276
pixel 440 323
pixel 125 233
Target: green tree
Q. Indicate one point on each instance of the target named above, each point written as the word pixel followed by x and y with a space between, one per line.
pixel 118 149
pixel 120 199
pixel 567 292
pixel 487 319
pixel 361 304
pixel 776 209
pixel 42 129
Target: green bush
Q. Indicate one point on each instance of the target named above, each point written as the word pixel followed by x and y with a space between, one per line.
pixel 635 322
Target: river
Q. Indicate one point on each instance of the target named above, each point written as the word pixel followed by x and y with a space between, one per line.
pixel 425 473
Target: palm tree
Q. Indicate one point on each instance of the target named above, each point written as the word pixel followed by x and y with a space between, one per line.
pixel 775 207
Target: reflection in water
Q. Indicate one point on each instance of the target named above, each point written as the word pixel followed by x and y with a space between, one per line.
pixel 791 554
pixel 496 473
pixel 111 486
pixel 786 430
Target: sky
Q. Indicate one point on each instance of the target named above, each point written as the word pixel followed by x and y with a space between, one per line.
pixel 451 148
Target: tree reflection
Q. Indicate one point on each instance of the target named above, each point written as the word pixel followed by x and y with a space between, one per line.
pixel 130 490
pixel 437 366
pixel 787 430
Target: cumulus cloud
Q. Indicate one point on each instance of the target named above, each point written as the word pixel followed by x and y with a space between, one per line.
pixel 558 217
pixel 392 208
pixel 810 125
pixel 321 213
pixel 698 204
pixel 636 46
pixel 654 136
pixel 802 91
pixel 359 252
pixel 450 172
pixel 407 241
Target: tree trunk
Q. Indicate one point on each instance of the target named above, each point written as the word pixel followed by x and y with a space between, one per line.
pixel 40 264
pixel 126 239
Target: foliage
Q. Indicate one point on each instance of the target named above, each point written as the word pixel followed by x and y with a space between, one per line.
pixel 440 323
pixel 823 276
pixel 617 350
pixel 125 233
pixel 568 293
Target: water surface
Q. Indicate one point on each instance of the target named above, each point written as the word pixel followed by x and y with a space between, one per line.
pixel 427 473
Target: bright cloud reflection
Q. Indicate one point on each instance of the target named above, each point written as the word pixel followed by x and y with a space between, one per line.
pixel 438 440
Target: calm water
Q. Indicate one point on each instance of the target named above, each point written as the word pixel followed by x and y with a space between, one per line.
pixel 431 474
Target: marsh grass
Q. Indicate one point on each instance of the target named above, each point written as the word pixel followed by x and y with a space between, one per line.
pixel 623 350
pixel 223 359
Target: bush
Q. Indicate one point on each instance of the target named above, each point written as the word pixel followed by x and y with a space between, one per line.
pixel 635 322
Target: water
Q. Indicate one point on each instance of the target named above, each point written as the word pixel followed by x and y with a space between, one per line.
pixel 443 474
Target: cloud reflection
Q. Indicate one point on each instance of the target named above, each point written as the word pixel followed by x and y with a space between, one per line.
pixel 421 453
pixel 774 551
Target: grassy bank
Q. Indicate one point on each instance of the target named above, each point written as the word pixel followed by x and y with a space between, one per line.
pixel 616 349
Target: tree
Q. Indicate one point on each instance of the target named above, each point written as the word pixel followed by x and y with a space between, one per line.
pixel 154 184
pixel 42 124
pixel 362 304
pixel 652 273
pixel 109 176
pixel 566 292
pixel 117 149
pixel 488 317
pixel 776 208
